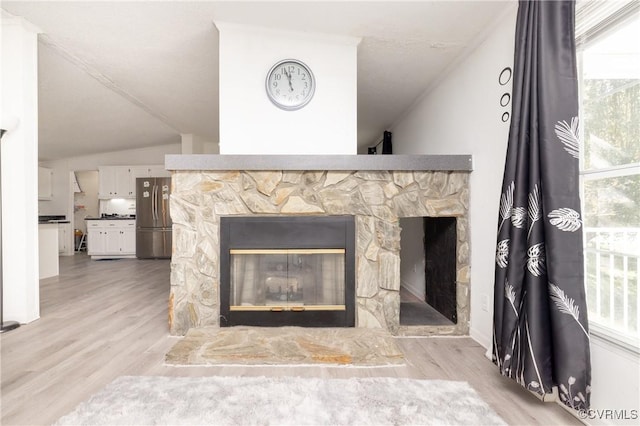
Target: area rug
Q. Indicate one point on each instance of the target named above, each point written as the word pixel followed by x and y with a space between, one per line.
pixel 282 401
pixel 285 346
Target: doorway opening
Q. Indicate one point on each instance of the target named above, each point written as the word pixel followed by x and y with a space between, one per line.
pixel 85 204
pixel 428 271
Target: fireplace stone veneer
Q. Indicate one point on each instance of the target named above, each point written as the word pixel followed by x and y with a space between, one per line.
pixel 376 198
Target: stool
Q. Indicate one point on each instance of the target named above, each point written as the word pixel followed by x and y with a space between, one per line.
pixel 83 243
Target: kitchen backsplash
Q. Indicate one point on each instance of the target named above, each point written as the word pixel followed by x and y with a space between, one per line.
pixel 118 206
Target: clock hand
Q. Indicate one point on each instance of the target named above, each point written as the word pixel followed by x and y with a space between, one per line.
pixel 288 74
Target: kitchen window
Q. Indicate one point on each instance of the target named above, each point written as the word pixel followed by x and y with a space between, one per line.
pixel 607 35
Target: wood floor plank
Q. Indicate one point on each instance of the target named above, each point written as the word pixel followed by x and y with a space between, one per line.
pixel 105 319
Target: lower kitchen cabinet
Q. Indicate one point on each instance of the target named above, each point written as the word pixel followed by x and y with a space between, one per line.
pixel 128 239
pixel 96 240
pixel 64 239
pixel 109 239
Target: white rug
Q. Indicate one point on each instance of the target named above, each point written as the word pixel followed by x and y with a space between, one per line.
pixel 282 401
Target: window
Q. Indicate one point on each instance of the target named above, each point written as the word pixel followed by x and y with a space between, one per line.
pixel 609 73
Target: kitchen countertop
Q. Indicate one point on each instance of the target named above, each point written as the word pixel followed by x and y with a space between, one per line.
pixel 52 219
pixel 110 218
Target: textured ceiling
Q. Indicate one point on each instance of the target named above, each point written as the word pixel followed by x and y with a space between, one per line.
pixel 117 75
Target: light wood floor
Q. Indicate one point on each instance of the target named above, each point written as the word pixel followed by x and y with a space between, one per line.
pixel 104 319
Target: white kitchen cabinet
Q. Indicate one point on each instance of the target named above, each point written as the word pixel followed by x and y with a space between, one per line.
pixel 108 239
pixel 45 183
pixel 106 182
pixel 48 261
pixel 120 181
pixel 128 239
pixel 64 238
pixel 112 241
pixel 96 239
pixel 113 182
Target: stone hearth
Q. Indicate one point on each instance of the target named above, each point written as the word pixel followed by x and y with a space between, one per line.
pixel 285 346
pixel 377 198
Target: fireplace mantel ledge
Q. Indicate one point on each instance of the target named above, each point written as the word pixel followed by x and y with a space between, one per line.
pixel 204 162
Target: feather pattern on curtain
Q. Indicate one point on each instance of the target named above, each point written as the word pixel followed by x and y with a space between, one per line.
pixel 541 336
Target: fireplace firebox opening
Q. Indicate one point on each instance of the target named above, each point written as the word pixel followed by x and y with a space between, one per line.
pixel 428 271
pixel 287 271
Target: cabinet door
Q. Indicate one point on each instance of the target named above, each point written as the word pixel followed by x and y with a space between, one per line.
pixel 107 182
pixel 112 236
pixel 114 182
pixel 128 239
pixel 112 241
pixel 96 243
pixel 123 189
pixel 45 183
pixel 62 237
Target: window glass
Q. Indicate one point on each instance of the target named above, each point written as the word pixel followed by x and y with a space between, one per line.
pixel 612 201
pixel 611 99
pixel 610 177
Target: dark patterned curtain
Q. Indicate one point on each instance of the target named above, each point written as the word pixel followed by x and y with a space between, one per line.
pixel 541 336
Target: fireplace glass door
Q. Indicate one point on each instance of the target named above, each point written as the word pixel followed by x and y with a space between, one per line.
pixel 287 280
pixel 287 271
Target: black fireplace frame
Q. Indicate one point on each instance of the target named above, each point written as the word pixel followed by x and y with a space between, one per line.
pixel 287 232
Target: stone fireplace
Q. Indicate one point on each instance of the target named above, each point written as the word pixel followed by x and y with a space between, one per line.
pixel 375 191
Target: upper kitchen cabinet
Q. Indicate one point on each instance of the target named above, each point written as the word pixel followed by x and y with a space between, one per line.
pixel 114 182
pixel 45 183
pixel 120 181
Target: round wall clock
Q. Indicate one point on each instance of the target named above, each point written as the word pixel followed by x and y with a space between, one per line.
pixel 290 84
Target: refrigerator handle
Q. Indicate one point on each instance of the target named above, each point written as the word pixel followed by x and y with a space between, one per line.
pixel 157 214
pixel 157 203
pixel 157 207
pixel 154 203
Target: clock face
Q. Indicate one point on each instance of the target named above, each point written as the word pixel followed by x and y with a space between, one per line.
pixel 290 84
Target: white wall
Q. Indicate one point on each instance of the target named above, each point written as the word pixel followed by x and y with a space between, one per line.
pixel 194 144
pixel 251 124
pixel 615 377
pixel 19 157
pixel 412 257
pixel 462 115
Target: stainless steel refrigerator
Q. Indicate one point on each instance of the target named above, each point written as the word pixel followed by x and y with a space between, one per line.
pixel 153 222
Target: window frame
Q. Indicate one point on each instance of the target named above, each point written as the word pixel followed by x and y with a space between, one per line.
pixel 593 22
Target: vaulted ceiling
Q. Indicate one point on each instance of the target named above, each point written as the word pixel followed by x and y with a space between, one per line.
pixel 121 75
